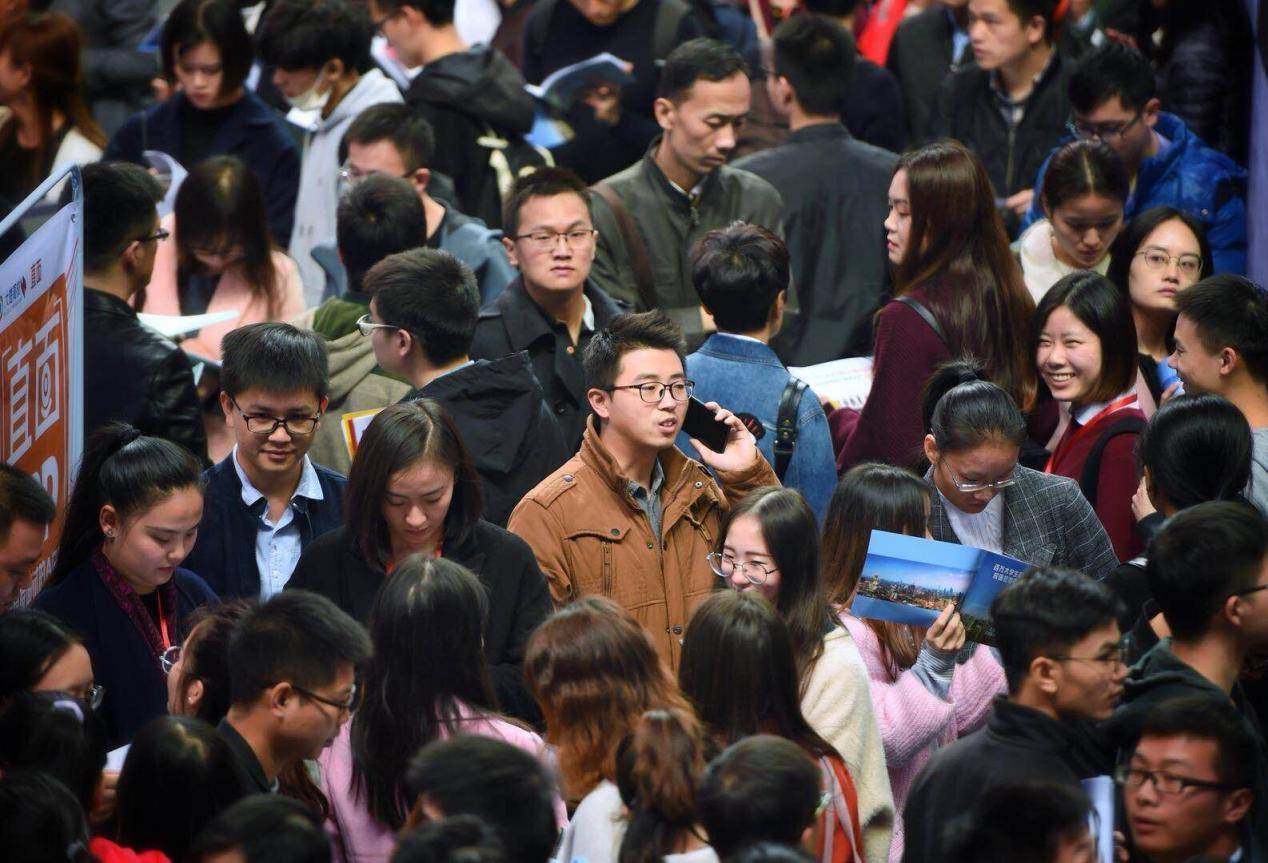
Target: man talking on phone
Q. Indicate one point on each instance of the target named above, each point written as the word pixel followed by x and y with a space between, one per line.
pixel 629 516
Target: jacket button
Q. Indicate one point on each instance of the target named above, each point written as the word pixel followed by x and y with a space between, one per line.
pixel 560 408
pixel 677 630
pixel 699 484
pixel 616 531
pixel 649 545
pixel 567 477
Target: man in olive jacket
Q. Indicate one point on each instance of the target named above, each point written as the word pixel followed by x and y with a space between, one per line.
pixel 651 214
pixel 629 516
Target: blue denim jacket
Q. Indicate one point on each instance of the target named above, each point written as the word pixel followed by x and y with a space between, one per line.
pixel 745 377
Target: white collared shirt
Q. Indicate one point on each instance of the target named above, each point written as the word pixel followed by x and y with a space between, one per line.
pixel 983 529
pixel 278 546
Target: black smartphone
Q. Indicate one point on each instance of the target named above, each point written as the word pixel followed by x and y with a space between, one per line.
pixel 701 425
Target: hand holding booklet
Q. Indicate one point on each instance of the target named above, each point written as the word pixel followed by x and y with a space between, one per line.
pixel 910 579
pixel 561 87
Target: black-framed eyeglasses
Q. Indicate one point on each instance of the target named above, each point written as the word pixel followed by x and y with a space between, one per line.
pixel 725 566
pixel 1107 132
pixel 1248 591
pixel 577 238
pixel 653 391
pixel 1109 661
pixel 349 705
pixel 263 425
pixel 160 235
pixel 1165 783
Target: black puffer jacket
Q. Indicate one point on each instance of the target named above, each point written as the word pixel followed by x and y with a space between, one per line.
pixel 507 427
pixel 134 375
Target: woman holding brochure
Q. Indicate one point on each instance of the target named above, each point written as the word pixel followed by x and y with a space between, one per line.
pixel 928 687
pixel 985 499
pixel 769 544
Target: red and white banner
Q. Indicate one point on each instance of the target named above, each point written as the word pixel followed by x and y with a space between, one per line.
pixel 41 354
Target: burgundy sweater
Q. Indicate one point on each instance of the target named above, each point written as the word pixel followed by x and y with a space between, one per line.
pixel 889 428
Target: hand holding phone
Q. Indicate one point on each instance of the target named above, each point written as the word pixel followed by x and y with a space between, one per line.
pixel 700 424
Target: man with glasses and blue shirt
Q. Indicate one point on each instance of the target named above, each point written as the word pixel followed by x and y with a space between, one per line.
pixel 1112 98
pixel 629 516
pixel 267 495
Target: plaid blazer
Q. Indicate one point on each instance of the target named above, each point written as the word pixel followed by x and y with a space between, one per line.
pixel 1047 522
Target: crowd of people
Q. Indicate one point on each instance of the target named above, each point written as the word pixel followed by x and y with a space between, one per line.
pixel 489 518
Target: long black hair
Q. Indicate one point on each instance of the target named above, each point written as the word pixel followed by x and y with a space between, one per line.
pixel 791 534
pixel 31 642
pixel 427 626
pixel 180 773
pixel 127 470
pixel 738 671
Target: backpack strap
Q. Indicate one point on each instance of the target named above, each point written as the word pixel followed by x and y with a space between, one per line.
pixel 1091 476
pixel 925 315
pixel 786 425
pixel 640 260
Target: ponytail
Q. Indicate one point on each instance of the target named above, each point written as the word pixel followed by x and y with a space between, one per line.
pixel 658 767
pixel 127 470
pixel 962 409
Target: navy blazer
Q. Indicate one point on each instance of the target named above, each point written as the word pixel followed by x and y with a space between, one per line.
pixel 225 551
pixel 122 662
pixel 253 132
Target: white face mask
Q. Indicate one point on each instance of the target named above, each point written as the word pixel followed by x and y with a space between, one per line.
pixel 310 99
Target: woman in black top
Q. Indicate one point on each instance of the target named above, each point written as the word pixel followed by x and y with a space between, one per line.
pixel 412 489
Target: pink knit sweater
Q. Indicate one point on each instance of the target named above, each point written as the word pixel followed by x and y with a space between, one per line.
pixel 913 721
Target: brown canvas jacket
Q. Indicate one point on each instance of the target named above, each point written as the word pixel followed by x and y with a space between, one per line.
pixel 591 537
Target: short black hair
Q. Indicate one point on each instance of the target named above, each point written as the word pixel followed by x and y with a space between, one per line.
pixel 308 34
pixel 1113 69
pixel 1107 313
pixel 1214 719
pixel 296 636
pixel 219 22
pixel 545 182
pixel 407 130
pixel 696 60
pixel 1201 557
pixel 502 784
pixel 379 217
pixel 265 828
pixel 763 788
pixel 1045 9
pixel 431 295
pixel 456 839
pixel 274 357
pixel 31 641
pixel 816 55
pixel 1018 821
pixel 437 12
pixel 1197 447
pixel 834 8
pixel 630 332
pixel 1230 312
pixel 1045 612
pixel 22 497
pixel 120 205
pixel 739 272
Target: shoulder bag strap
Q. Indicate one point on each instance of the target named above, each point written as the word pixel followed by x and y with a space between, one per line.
pixel 640 260
pixel 925 315
pixel 786 425
pixel 1091 476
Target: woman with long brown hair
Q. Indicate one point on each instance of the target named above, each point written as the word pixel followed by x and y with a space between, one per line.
pixel 958 291
pixel 926 689
pixel 594 672
pixel 40 83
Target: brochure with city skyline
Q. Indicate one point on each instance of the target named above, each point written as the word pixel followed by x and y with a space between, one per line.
pixel 910 579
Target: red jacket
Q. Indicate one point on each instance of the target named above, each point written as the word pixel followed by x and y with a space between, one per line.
pixel 1117 479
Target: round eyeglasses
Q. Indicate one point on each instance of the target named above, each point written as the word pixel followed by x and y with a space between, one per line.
pixel 653 392
pixel 724 566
